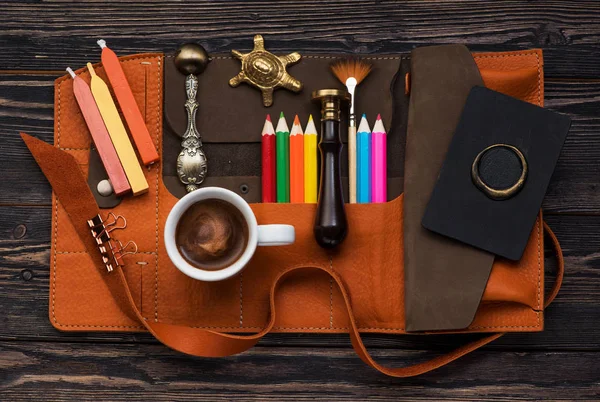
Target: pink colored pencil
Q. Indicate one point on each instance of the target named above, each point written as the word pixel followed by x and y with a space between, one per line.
pixel 379 162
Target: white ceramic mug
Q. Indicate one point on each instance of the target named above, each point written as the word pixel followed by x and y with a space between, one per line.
pixel 258 235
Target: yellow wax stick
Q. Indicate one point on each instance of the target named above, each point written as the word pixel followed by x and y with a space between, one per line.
pixel 118 134
pixel 310 162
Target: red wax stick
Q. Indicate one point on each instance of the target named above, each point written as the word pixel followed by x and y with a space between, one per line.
pixel 129 107
pixel 104 145
pixel 269 180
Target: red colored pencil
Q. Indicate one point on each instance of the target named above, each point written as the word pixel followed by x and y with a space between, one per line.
pixel 100 135
pixel 269 179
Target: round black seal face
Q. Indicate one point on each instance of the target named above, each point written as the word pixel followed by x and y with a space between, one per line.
pixel 499 171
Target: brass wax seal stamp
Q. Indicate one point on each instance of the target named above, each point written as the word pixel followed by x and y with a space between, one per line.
pixel 265 71
pixel 499 193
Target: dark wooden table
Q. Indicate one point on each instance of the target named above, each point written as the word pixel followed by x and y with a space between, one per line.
pixel 39 39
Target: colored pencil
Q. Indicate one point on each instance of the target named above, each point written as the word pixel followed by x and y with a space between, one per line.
pixel 269 179
pixel 363 161
pixel 379 162
pixel 100 136
pixel 118 134
pixel 296 162
pixel 310 162
pixel 129 107
pixel 282 136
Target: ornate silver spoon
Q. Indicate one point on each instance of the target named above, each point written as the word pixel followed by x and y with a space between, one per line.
pixel 191 59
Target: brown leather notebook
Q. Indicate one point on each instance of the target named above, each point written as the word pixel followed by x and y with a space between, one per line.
pixel 370 262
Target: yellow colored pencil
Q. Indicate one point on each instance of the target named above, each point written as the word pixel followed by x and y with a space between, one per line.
pixel 118 134
pixel 310 162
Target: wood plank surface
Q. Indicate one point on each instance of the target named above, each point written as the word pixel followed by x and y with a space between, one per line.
pixel 35 371
pixel 59 33
pixel 38 39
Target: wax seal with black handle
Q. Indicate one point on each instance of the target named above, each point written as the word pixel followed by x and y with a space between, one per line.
pixel 331 226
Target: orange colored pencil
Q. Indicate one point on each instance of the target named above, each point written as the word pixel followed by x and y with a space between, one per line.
pixel 296 163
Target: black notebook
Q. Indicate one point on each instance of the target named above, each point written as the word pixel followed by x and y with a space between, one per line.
pixel 496 173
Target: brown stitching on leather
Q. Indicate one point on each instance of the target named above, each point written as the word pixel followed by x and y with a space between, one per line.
pixel 539 80
pixel 539 263
pixel 508 326
pixel 330 294
pixel 241 300
pixel 58 117
pixel 156 189
pixel 100 326
pixel 54 265
pixel 123 59
pixel 56 215
pixel 499 56
pixel 74 149
pixel 216 327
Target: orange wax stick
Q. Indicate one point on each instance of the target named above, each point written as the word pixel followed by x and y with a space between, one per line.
pixel 102 140
pixel 296 163
pixel 129 107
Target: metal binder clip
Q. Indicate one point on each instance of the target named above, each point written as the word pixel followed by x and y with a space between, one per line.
pixel 111 250
pixel 120 252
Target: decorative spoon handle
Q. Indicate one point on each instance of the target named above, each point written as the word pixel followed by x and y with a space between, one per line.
pixel 191 162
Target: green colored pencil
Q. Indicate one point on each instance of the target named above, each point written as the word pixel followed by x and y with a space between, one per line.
pixel 282 135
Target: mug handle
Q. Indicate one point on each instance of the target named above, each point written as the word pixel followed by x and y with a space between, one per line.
pixel 276 235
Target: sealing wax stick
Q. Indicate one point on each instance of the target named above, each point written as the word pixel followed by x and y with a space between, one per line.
pixel 379 162
pixel 282 135
pixel 296 162
pixel 118 134
pixel 269 180
pixel 129 107
pixel 310 162
pixel 363 162
pixel 104 145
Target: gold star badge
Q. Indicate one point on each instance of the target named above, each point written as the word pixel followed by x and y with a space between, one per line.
pixel 265 71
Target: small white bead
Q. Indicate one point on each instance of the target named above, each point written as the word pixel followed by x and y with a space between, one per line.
pixel 104 188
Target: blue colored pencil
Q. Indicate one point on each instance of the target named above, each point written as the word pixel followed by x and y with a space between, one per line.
pixel 363 162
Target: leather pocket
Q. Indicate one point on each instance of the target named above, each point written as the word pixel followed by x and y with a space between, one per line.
pixel 370 261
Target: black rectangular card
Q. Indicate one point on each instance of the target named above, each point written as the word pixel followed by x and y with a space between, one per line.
pixel 496 172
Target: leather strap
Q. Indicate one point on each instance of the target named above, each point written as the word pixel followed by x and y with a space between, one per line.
pixel 70 186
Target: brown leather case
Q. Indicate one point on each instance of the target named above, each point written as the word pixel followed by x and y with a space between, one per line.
pixel 370 261
pixel 444 278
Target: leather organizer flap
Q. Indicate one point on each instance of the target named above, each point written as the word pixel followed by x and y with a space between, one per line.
pixel 370 261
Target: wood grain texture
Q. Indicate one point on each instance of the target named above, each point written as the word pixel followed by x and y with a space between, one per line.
pixel 58 34
pixel 39 39
pixel 41 371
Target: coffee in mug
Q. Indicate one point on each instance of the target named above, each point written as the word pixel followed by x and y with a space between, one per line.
pixel 211 234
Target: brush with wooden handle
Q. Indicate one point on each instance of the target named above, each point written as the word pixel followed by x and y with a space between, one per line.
pixel 351 72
